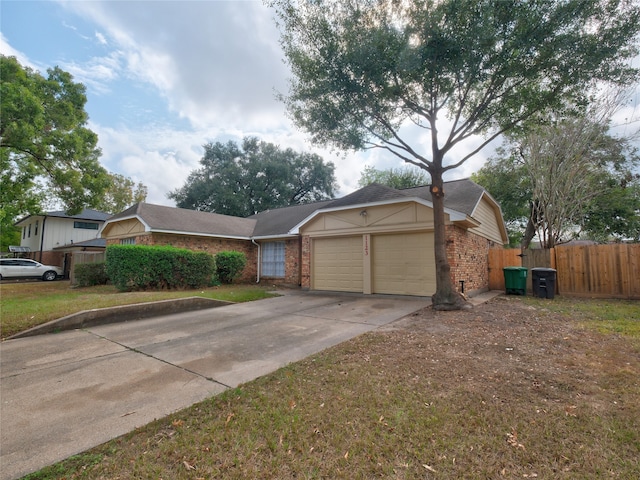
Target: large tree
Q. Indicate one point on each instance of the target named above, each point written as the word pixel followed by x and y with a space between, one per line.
pixel 245 179
pixel 368 73
pixel 565 180
pixel 121 193
pixel 394 177
pixel 44 142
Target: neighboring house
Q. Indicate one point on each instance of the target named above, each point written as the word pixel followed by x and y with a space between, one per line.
pixel 50 238
pixel 375 240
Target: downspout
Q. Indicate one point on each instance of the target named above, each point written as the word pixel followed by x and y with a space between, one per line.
pixel 44 220
pixel 258 266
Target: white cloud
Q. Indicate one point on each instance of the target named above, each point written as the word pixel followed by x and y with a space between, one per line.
pixel 7 50
pixel 102 40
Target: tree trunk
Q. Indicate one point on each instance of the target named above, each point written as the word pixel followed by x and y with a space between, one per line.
pixel 446 296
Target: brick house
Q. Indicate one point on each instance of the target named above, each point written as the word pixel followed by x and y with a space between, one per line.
pixel 375 240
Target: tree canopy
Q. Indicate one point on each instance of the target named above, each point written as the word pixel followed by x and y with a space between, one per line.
pixel 394 177
pixel 245 179
pixel 369 73
pixel 121 193
pixel 44 142
pixel 566 180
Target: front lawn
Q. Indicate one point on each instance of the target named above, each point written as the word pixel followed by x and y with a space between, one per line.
pixel 26 304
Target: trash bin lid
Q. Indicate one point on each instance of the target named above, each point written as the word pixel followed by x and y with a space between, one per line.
pixel 514 268
pixel 541 269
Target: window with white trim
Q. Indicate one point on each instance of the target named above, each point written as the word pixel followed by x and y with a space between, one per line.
pixel 128 241
pixel 272 259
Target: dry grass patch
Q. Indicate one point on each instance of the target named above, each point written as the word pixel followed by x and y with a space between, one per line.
pixel 27 304
pixel 508 390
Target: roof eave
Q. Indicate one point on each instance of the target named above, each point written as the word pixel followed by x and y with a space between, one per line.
pixel 147 228
pixel 454 215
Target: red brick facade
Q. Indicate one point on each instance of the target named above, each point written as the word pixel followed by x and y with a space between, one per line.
pixel 468 256
pixel 216 245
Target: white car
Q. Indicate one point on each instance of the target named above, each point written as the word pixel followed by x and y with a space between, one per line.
pixel 25 268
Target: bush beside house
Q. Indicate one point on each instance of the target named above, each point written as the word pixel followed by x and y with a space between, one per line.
pixel 229 265
pixel 140 267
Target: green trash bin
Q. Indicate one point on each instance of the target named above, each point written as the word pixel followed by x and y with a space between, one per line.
pixel 515 280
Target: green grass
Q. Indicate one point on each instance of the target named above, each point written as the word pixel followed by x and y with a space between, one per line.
pixel 28 304
pixel 606 316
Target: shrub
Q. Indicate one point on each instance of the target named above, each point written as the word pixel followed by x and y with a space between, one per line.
pixel 229 265
pixel 141 267
pixel 90 274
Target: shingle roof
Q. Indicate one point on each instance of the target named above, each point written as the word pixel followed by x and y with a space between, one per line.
pixel 86 214
pixel 460 195
pixel 281 220
pixel 181 220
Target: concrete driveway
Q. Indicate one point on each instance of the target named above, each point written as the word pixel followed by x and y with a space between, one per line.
pixel 64 393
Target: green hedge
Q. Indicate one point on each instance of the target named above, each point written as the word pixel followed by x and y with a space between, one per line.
pixel 90 274
pixel 141 267
pixel 229 265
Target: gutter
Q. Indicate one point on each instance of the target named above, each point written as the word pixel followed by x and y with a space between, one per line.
pixel 258 266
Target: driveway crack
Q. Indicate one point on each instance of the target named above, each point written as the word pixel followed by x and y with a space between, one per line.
pixel 135 350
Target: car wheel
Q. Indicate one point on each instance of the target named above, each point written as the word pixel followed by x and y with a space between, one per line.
pixel 49 276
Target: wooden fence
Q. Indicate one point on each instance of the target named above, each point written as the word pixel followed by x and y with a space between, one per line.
pixel 83 257
pixel 606 271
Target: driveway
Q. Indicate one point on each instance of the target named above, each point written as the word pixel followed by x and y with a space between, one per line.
pixel 64 393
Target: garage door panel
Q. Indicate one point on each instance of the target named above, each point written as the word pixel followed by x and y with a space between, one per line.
pixel 403 264
pixel 337 264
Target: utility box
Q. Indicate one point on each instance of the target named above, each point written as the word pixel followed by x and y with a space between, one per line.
pixel 515 280
pixel 544 282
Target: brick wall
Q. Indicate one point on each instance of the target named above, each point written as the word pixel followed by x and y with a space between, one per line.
pixel 213 246
pixel 305 266
pixel 468 256
pixel 216 245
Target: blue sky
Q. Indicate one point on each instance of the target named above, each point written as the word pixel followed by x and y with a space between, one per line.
pixel 165 77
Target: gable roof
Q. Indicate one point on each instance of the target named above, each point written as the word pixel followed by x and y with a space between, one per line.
pixel 162 219
pixel 86 214
pixel 462 197
pixel 280 221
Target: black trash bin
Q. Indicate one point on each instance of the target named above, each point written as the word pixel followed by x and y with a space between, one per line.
pixel 544 282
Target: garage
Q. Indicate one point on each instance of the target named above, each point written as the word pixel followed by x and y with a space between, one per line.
pixel 403 264
pixel 337 264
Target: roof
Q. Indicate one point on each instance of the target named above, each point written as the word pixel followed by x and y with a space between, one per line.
pixel 280 221
pixel 159 218
pixel 461 198
pixel 93 243
pixel 86 214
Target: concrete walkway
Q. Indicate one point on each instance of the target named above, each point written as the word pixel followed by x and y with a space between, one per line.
pixel 64 393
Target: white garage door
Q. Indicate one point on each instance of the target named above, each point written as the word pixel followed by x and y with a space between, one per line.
pixel 403 264
pixel 337 264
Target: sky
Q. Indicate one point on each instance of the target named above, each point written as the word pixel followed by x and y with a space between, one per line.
pixel 164 78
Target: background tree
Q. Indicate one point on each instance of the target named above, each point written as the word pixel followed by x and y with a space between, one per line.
pixel 566 180
pixel 455 69
pixel 121 193
pixel 242 180
pixel 394 177
pixel 44 142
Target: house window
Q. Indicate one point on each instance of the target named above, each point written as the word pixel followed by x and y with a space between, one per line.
pixel 128 241
pixel 36 234
pixel 24 232
pixel 86 225
pixel 273 259
pixel 29 234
